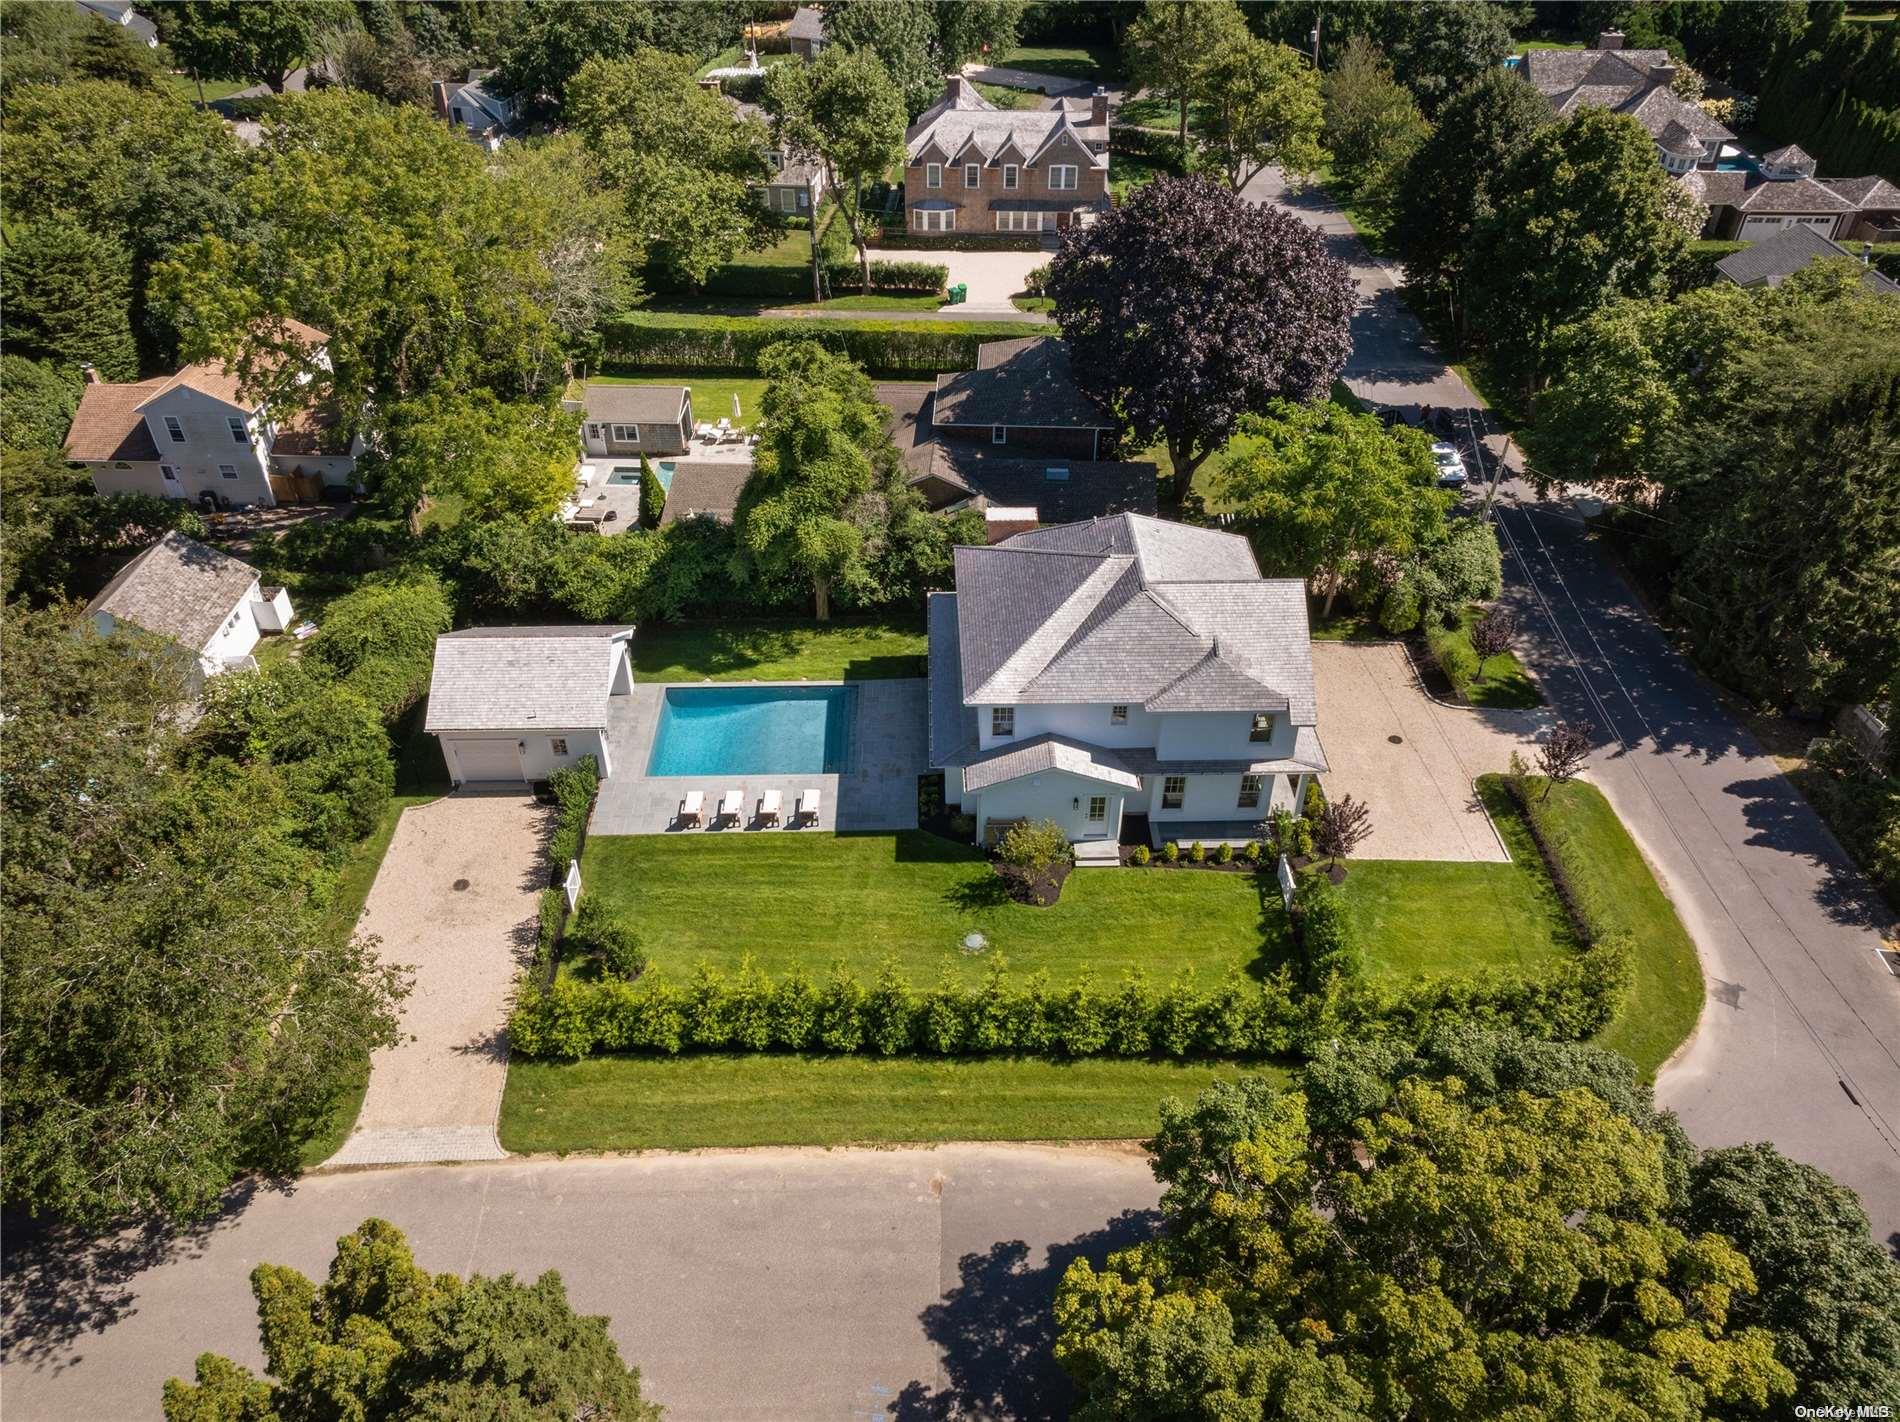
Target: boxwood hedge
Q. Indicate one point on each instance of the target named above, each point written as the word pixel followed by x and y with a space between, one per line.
pixel 657 340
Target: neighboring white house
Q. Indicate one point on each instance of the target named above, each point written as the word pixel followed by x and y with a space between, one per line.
pixel 209 603
pixel 472 111
pixel 1090 672
pixel 120 12
pixel 190 434
pixel 513 704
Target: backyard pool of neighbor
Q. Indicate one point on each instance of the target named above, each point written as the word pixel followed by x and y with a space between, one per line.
pixel 754 730
pixel 630 474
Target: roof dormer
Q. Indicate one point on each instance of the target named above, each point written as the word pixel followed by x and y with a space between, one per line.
pixel 1787 163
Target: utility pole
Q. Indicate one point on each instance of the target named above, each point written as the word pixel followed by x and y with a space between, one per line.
pixel 1314 37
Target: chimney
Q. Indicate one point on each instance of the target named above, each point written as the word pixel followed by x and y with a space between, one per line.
pixel 90 371
pixel 439 91
pixel 1663 73
pixel 1001 523
pixel 952 89
pixel 1610 39
pixel 1098 108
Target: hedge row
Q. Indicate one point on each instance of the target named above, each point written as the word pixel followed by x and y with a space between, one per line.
pixel 918 278
pixel 574 789
pixel 731 344
pixel 1569 871
pixel 748 1012
pixel 898 239
pixel 1151 145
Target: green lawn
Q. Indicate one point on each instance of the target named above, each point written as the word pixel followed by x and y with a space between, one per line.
pixel 214 89
pixel 1503 681
pixel 780 649
pixel 1098 62
pixel 1127 172
pixel 1152 111
pixel 873 302
pixel 815 899
pixel 1044 304
pixel 1006 98
pixel 712 394
pixel 1373 229
pixel 681 1103
pixel 346 906
pixel 1525 46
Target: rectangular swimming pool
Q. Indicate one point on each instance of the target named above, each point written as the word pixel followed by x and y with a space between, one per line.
pixel 754 730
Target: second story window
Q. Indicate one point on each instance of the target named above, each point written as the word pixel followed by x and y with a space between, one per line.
pixel 239 435
pixel 1062 176
pixel 933 175
pixel 1118 715
pixel 174 429
pixel 1002 720
pixel 972 175
pixel 1011 176
pixel 1262 728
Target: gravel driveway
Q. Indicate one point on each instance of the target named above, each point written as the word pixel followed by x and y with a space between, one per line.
pixel 1419 788
pixel 993 277
pixel 455 900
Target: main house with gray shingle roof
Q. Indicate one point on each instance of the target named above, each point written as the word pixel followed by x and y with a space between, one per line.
pixel 1122 672
pixel 514 704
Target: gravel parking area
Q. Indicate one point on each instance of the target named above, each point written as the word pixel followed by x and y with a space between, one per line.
pixel 1412 759
pixel 455 900
pixel 993 277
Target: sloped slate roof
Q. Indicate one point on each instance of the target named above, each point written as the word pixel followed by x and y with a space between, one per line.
pixel 709 490
pixel 513 678
pixel 953 729
pixel 808 23
pixel 177 588
pixel 1216 684
pixel 1871 192
pixel 1041 754
pixel 1750 192
pixel 634 404
pixel 1090 489
pixel 1787 156
pixel 1025 382
pixel 967 118
pixel 1553 71
pixel 1773 259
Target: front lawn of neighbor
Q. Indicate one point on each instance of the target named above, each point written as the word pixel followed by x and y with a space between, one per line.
pixel 712 394
pixel 873 302
pixel 1099 63
pixel 683 1103
pixel 1006 98
pixel 780 649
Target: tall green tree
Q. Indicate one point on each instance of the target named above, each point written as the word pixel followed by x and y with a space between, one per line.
pixel 543 44
pixel 1322 491
pixel 843 110
pixel 1585 215
pixel 683 162
pixel 1450 183
pixel 919 41
pixel 588 246
pixel 1176 45
pixel 1262 108
pixel 806 513
pixel 1373 125
pixel 56 44
pixel 505 459
pixel 384 1338
pixel 264 41
pixel 37 400
pixel 1447 44
pixel 69 297
pixel 144 1070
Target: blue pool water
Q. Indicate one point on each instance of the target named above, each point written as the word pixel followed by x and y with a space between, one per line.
pixel 630 474
pixel 754 730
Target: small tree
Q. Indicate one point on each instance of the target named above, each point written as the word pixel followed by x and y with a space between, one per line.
pixel 652 496
pixel 1343 826
pixel 1491 635
pixel 1035 847
pixel 1562 755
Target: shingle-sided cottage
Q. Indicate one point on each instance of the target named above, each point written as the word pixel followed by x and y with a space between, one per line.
pixel 1119 674
pixel 512 704
pixel 633 419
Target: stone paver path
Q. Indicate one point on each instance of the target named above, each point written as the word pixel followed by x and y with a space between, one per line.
pixel 1424 805
pixel 455 900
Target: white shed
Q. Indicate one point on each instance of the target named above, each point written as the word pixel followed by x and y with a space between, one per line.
pixel 513 704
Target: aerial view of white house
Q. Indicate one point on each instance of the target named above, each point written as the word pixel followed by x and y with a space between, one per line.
pixel 211 604
pixel 196 435
pixel 1124 669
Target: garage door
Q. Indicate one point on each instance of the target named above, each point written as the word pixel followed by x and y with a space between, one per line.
pixel 489 760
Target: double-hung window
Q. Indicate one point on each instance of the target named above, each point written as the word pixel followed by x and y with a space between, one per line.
pixel 1002 720
pixel 170 472
pixel 227 471
pixel 1118 715
pixel 1098 809
pixel 1011 176
pixel 972 175
pixel 999 434
pixel 1262 728
pixel 174 429
pixel 239 435
pixel 1173 792
pixel 626 434
pixel 933 175
pixel 1062 177
pixel 557 745
pixel 1250 787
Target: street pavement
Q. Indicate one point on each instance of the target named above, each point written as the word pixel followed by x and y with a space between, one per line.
pixel 1798 1041
pixel 906 1284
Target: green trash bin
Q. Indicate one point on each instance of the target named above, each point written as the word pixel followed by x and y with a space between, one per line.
pixel 959 294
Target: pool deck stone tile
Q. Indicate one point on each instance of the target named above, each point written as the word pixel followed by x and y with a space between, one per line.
pixel 879 792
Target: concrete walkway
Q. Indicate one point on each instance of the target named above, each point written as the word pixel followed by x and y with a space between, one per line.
pixel 456 900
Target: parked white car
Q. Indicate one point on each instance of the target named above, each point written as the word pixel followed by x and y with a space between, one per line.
pixel 1451 465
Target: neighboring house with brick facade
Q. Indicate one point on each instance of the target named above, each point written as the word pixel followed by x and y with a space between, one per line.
pixel 1022 397
pixel 972 167
pixel 193 434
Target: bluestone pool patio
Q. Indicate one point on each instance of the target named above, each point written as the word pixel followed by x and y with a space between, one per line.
pixel 877 791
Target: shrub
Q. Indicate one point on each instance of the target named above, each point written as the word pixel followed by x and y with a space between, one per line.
pixel 1452 654
pixel 1224 854
pixel 1315 800
pixel 1250 852
pixel 1140 855
pixel 1151 145
pixel 1303 838
pixel 1035 847
pixel 1399 610
pixel 900 239
pixel 553 916
pixel 608 939
pixel 380 640
pixel 649 340
pixel 1197 853
pixel 1034 280
pixel 1323 933
pixel 1170 852
pixel 918 278
pixel 1861 805
pixel 963 825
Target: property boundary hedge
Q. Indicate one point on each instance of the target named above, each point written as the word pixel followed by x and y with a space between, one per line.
pixel 899 239
pixel 749 1012
pixel 731 344
pixel 914 278
pixel 1148 144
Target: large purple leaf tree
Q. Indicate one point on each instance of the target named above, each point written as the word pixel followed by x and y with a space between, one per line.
pixel 1185 308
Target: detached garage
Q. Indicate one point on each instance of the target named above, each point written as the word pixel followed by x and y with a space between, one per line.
pixel 510 705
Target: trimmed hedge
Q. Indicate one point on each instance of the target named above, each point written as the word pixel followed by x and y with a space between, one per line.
pixel 1151 145
pixel 899 239
pixel 731 344
pixel 915 278
pixel 1696 268
pixel 574 789
pixel 748 1012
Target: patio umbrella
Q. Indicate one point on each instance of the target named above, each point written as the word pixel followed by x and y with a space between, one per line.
pixel 735 407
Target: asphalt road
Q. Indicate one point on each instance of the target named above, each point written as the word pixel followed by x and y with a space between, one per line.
pixel 1799 1043
pixel 907 1284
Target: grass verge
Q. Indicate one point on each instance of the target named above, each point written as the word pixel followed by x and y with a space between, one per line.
pixel 1005 97
pixel 682 1103
pixel 1498 682
pixel 873 302
pixel 783 649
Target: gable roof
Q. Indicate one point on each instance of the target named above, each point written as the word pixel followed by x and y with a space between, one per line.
pixel 108 426
pixel 634 404
pixel 1751 192
pixel 178 588
pixel 1041 754
pixel 1865 193
pixel 1129 609
pixel 1027 382
pixel 1772 260
pixel 1619 80
pixel 514 678
pixel 808 23
pixel 711 490
pixel 221 382
pixel 1088 488
pixel 962 117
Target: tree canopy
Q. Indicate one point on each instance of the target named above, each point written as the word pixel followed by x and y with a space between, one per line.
pixel 1185 308
pixel 507 459
pixel 919 41
pixel 1447 44
pixel 1177 46
pixel 384 1338
pixel 1262 108
pixel 1373 124
pixel 264 41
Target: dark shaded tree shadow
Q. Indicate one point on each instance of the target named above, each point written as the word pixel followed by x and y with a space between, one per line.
pixel 996 1329
pixel 1780 818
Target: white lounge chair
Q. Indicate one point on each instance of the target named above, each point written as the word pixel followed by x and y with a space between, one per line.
pixel 693 808
pixel 731 806
pixel 809 804
pixel 771 805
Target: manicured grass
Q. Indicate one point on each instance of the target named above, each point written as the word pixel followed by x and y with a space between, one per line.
pixel 1152 111
pixel 1343 626
pixel 1044 304
pixel 1524 46
pixel 1098 62
pixel 782 649
pixel 712 394
pixel 1127 172
pixel 1372 227
pixel 1502 683
pixel 353 884
pixel 646 1103
pixel 214 89
pixel 814 899
pixel 1005 97
pixel 873 302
